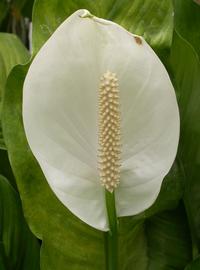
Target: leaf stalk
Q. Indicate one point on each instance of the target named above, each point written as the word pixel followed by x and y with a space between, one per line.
pixel 111 237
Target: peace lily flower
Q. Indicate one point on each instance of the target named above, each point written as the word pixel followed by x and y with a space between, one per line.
pixel 100 113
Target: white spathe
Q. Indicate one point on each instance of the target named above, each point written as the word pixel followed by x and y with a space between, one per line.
pixel 60 114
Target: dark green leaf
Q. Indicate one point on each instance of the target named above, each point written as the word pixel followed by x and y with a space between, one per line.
pixel 27 9
pixel 186 71
pixel 187 22
pixel 12 52
pixel 185 60
pixel 168 240
pixel 19 249
pixel 162 243
pixel 4 7
pixel 5 168
pixel 195 265
pixel 151 18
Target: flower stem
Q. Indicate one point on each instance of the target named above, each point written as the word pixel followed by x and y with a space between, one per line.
pixel 111 237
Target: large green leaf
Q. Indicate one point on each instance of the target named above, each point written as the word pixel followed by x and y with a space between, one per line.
pixel 186 72
pixel 151 18
pixel 195 265
pixel 5 168
pixel 185 60
pixel 185 63
pixel 4 7
pixel 168 240
pixel 162 243
pixel 187 22
pixel 12 52
pixel 19 249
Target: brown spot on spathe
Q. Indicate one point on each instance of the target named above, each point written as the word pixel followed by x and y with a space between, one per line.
pixel 138 40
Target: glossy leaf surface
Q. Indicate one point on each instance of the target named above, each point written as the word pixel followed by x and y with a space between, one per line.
pixel 150 18
pixel 19 249
pixel 12 52
pixel 188 85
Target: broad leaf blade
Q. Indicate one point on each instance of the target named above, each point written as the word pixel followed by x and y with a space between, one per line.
pixel 168 240
pixel 12 52
pixel 187 22
pixel 185 63
pixel 161 243
pixel 186 70
pixel 151 18
pixel 194 265
pixel 4 7
pixel 5 168
pixel 19 248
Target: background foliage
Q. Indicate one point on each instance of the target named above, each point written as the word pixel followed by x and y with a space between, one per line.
pixel 164 237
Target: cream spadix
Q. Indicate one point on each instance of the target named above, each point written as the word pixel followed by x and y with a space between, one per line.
pixel 109 132
pixel 99 112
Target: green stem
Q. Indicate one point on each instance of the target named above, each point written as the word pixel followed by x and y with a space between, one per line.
pixel 111 237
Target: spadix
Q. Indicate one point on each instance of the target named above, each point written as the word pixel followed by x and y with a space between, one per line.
pixel 99 113
pixel 109 132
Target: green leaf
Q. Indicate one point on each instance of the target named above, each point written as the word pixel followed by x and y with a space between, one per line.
pixel 151 18
pixel 27 9
pixel 168 240
pixel 5 168
pixel 187 22
pixel 2 144
pixel 12 52
pixel 161 243
pixel 185 60
pixel 194 265
pixel 4 7
pixel 186 72
pixel 19 249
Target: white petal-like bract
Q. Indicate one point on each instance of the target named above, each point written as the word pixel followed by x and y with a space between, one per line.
pixel 60 114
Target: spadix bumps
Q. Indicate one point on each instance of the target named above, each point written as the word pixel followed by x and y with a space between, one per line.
pixel 109 132
pixel 100 113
